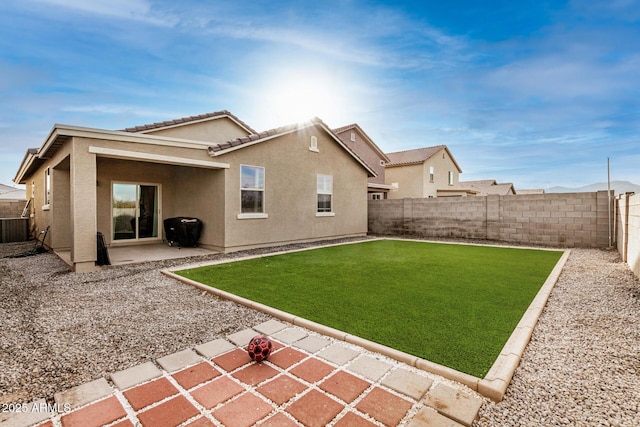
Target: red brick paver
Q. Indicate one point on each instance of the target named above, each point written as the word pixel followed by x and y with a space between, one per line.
pixel 312 370
pixel 124 423
pixel 281 389
pixel 344 386
pixel 232 360
pixel 353 420
pixel 286 357
pixel 216 392
pixel 255 373
pixel 151 392
pixel 194 375
pixel 201 422
pixel 244 411
pixel 97 414
pixel 169 414
pixel 278 420
pixel 385 407
pixel 315 409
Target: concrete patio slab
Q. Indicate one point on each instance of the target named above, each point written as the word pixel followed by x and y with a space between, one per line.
pixel 449 401
pixel 338 353
pixel 407 383
pixel 290 335
pixel 370 368
pixel 429 417
pixel 242 338
pixel 180 360
pixel 26 416
pixel 312 343
pixel 270 327
pixel 214 348
pixel 83 394
pixel 135 375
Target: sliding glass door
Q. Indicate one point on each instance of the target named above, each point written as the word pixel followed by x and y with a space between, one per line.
pixel 135 211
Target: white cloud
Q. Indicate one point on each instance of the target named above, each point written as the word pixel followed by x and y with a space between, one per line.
pixel 137 10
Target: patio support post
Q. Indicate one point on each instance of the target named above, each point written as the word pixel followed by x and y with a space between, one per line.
pixel 83 208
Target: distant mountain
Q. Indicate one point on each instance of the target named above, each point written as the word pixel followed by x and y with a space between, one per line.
pixel 619 187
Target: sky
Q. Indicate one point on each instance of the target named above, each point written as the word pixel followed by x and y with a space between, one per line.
pixel 537 93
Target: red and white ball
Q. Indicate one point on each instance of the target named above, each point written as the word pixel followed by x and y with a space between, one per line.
pixel 259 348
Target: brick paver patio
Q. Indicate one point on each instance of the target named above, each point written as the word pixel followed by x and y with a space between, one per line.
pixel 309 380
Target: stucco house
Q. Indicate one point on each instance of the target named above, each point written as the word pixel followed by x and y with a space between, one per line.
pixel 489 187
pixel 290 184
pixel 360 143
pixel 424 172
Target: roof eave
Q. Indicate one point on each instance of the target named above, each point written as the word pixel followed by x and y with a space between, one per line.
pixel 314 122
pixel 367 139
pixel 25 165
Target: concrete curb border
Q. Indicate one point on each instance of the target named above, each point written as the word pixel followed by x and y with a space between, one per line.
pixel 493 385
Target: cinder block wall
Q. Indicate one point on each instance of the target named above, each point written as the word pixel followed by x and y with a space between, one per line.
pixel 568 219
pixel 11 208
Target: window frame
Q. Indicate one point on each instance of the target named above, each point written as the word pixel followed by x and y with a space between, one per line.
pixel 431 173
pixel 47 190
pixel 324 191
pixel 450 178
pixel 253 215
pixel 313 144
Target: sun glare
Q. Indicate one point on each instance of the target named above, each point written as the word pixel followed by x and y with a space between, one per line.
pixel 299 99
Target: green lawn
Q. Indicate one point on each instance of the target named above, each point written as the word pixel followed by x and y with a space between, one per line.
pixel 455 305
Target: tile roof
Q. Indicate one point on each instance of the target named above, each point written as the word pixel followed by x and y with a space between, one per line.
pixel 175 122
pixel 263 135
pixel 272 133
pixel 413 157
pixel 490 187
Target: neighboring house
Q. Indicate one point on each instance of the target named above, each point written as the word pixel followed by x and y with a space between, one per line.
pixel 532 191
pixel 489 187
pixel 11 193
pixel 291 184
pixel 424 172
pixel 359 142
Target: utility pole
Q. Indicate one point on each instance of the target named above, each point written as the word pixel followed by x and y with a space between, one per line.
pixel 609 198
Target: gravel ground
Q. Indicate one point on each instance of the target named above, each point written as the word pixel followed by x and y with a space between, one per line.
pixel 582 366
pixel 59 330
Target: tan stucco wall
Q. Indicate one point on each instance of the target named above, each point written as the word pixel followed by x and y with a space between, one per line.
pixel 290 191
pixel 82 185
pixel 214 131
pixel 442 165
pixel 365 152
pixel 409 180
pixel 414 180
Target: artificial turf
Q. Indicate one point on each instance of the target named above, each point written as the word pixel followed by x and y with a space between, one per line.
pixel 455 305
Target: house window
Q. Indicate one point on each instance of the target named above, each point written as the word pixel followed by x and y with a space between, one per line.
pixel 325 193
pixel 353 137
pixel 47 188
pixel 135 211
pixel 313 145
pixel 450 178
pixel 376 196
pixel 251 189
pixel 431 173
